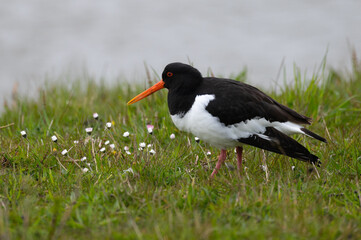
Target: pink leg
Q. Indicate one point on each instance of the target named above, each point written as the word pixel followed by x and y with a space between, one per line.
pixel 221 158
pixel 239 158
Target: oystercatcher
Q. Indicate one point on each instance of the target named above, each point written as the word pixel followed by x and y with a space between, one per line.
pixel 227 114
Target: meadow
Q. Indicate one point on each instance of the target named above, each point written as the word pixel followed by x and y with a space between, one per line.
pixel 133 175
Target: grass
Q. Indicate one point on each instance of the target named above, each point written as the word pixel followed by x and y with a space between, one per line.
pixel 45 195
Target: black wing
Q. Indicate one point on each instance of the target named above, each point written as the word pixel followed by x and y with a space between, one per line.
pixel 282 144
pixel 237 102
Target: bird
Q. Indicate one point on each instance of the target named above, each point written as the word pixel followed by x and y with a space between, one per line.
pixel 228 114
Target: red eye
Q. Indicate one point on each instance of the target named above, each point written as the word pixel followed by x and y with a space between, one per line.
pixel 169 74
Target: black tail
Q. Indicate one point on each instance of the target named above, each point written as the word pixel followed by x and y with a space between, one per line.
pixel 312 134
pixel 279 142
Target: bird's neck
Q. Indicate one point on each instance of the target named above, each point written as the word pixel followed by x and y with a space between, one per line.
pixel 179 104
pixel 181 97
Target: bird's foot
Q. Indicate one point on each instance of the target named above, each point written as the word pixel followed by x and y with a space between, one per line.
pixel 239 151
pixel 221 158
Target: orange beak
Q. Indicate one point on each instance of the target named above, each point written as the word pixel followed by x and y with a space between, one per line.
pixel 158 86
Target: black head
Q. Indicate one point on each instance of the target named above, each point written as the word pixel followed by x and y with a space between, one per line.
pixel 181 77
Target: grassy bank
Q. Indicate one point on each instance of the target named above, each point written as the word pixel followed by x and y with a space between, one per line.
pixel 139 194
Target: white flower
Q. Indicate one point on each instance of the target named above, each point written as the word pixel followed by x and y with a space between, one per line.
pixel 126 148
pixel 102 149
pixel 76 141
pixel 108 125
pixel 208 153
pixel 23 133
pixel 95 116
pixel 150 128
pixel 129 170
pixel 64 152
pixel 149 145
pixel 245 168
pixel 197 139
pixel 126 134
pixel 83 159
pixel 172 136
pixel 85 170
pixel 152 152
pixel 89 130
pixel 293 168
pixel 112 146
pixel 106 142
pixel 140 149
pixel 54 138
pixel 263 167
pixel 142 144
pixel 88 164
pixel 127 152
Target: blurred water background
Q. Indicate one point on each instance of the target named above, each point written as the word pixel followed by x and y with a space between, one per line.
pixel 42 39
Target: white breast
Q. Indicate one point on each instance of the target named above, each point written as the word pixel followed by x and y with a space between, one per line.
pixel 202 124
